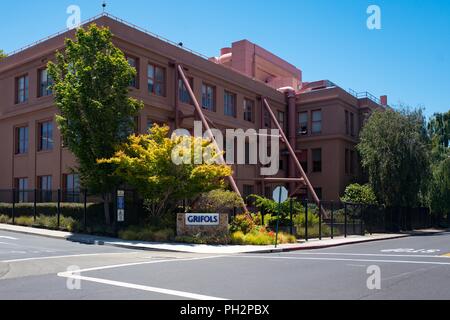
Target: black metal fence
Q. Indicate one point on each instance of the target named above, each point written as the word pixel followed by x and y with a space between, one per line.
pixel 79 211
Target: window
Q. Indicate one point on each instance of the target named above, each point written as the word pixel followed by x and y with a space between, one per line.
pixel 268 192
pixel 267 119
pixel 281 164
pixel 156 80
pixel 45 81
pixel 45 186
pixel 45 136
pixel 249 107
pixel 347 130
pixel 317 121
pixel 248 190
pixel 229 104
pixel 21 140
pixel 352 162
pixel 133 62
pixel 281 120
pixel 183 93
pixel 352 124
pixel 318 192
pixel 22 89
pixel 22 188
pixel 208 97
pixel 150 124
pixel 303 123
pixel 303 158
pixel 317 160
pixel 72 188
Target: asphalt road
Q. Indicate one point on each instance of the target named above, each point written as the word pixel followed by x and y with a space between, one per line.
pixel 34 267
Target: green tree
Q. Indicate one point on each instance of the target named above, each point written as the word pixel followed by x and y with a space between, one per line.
pixel 145 162
pixel 356 193
pixel 439 131
pixel 91 79
pixel 2 54
pixel 394 148
pixel 440 189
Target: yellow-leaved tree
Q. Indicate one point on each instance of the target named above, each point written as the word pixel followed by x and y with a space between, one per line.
pixel 145 162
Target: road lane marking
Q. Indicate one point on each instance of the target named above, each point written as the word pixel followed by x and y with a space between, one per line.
pixel 67 256
pixel 9 238
pixel 183 294
pixel 189 295
pixel 370 255
pixel 343 259
pixel 140 263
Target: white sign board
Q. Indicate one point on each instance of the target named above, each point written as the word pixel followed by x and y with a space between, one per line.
pixel 120 215
pixel 276 194
pixel 202 219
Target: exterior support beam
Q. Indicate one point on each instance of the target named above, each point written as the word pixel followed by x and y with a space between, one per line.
pixel 199 111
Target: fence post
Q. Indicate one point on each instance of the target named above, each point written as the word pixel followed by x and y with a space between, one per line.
pixel 85 210
pixel 345 220
pixel 332 220
pixel 59 208
pixel 306 220
pixel 320 220
pixel 291 208
pixel 13 212
pixel 34 206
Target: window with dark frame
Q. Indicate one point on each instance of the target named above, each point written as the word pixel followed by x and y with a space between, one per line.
pixel 72 188
pixel 248 191
pixel 134 62
pixel 303 159
pixel 281 120
pixel 45 82
pixel 347 130
pixel 22 84
pixel 303 123
pixel 352 124
pixel 229 104
pixel 22 189
pixel 208 97
pixel 352 162
pixel 45 136
pixel 267 119
pixel 317 160
pixel 22 140
pixel 317 121
pixel 156 79
pixel 183 93
pixel 249 107
pixel 45 188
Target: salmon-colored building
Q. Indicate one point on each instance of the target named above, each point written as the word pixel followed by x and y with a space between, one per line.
pixel 320 119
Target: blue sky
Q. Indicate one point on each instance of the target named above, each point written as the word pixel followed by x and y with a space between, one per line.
pixel 408 59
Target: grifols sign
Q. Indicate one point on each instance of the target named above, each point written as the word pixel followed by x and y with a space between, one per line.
pixel 202 219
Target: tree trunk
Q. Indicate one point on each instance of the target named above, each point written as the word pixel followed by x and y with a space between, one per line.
pixel 106 200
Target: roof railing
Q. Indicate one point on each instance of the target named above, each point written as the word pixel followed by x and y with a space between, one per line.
pixel 105 14
pixel 364 95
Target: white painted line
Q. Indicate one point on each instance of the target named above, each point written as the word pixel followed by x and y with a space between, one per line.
pixel 9 238
pixel 67 256
pixel 76 275
pixel 343 259
pixel 6 243
pixel 187 295
pixel 366 255
pixel 138 264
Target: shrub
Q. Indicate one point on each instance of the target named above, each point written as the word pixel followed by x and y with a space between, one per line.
pixel 242 223
pixel 66 223
pixel 221 239
pixel 238 237
pixel 4 219
pixel 150 234
pixel 260 236
pixel 217 201
pixel 360 194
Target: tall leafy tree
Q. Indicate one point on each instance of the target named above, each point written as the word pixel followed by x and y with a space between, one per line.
pixel 439 131
pixel 2 54
pixel 91 78
pixel 145 162
pixel 440 189
pixel 394 148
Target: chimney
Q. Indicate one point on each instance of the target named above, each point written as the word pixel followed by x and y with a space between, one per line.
pixel 384 100
pixel 225 51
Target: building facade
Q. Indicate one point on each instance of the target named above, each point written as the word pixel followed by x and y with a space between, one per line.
pixel 321 119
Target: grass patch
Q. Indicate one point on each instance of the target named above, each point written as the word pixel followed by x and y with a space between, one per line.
pixel 260 236
pixel 149 234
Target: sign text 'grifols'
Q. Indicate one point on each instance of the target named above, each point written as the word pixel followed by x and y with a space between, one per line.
pixel 202 219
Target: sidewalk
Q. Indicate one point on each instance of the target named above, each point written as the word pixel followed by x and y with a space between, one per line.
pixel 204 249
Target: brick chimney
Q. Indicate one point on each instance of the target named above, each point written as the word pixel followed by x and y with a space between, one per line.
pixel 384 100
